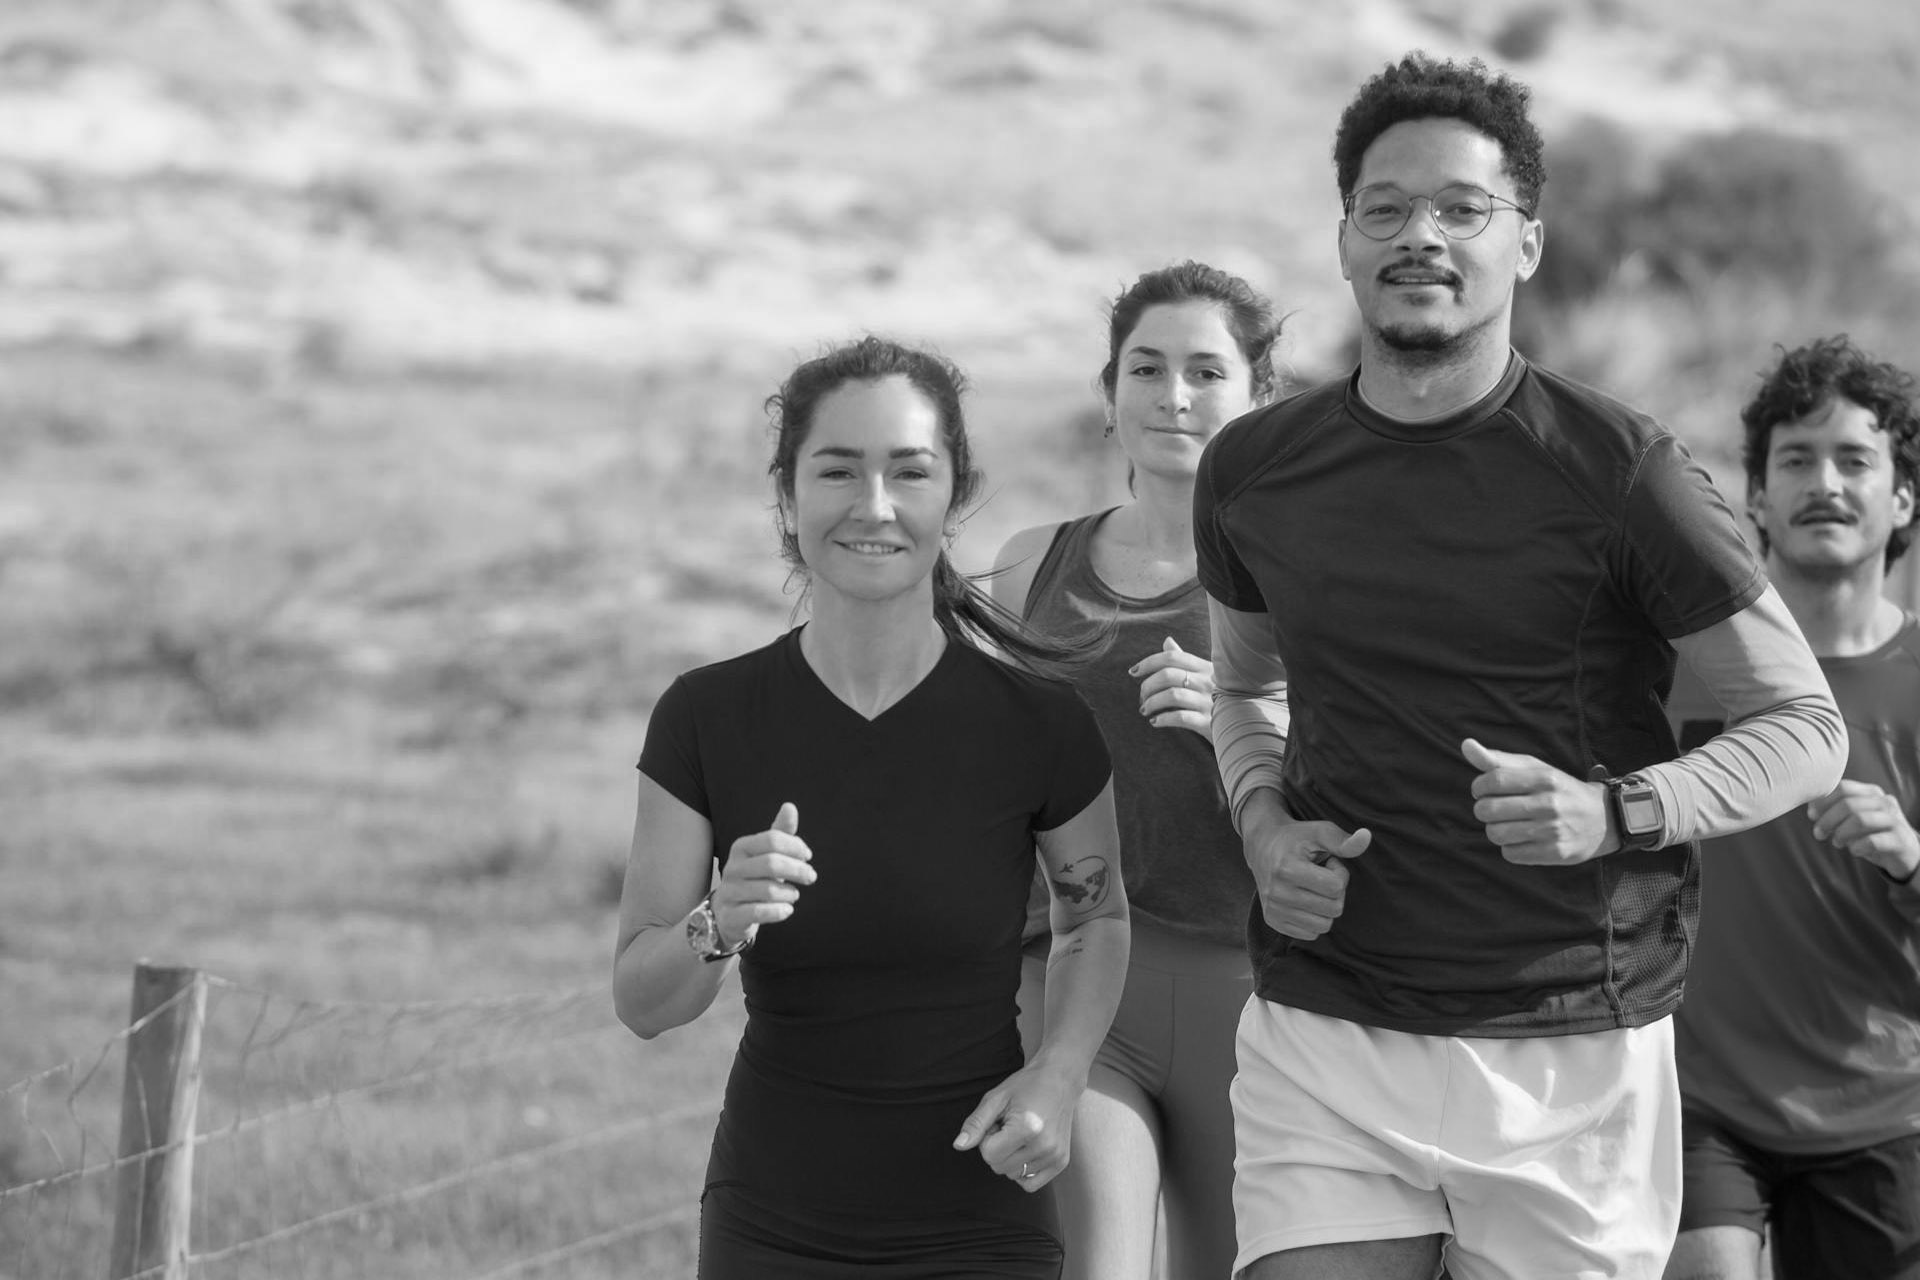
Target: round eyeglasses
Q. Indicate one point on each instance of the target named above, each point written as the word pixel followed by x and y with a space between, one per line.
pixel 1461 211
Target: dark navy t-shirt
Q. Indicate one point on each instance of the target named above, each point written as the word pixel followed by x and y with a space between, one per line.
pixel 1514 573
pixel 881 1011
pixel 1801 1028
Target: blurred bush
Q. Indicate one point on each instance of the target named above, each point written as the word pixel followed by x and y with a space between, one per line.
pixel 1752 211
pixel 1674 269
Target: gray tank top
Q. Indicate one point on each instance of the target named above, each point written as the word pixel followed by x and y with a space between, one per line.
pixel 1180 858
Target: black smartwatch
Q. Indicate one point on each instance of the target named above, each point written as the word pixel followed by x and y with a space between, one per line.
pixel 1637 816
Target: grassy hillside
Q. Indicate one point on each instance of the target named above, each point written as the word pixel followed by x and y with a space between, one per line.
pixel 380 390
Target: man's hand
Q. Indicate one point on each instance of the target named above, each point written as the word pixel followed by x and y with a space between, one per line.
pixel 1863 820
pixel 1300 871
pixel 1538 815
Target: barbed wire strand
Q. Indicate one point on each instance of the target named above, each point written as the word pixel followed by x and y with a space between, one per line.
pixel 422 1190
pixel 306 1105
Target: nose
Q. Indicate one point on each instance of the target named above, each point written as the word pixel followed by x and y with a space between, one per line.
pixel 875 504
pixel 1175 395
pixel 1422 232
pixel 1826 476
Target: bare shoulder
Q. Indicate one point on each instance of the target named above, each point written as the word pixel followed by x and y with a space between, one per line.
pixel 1017 562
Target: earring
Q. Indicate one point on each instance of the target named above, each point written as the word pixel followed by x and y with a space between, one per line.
pixel 1109 429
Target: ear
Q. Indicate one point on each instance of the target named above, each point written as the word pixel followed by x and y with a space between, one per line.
pixel 1903 504
pixel 1533 241
pixel 1757 502
pixel 1340 243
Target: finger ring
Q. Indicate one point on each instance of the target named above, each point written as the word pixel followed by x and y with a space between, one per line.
pixel 1026 1171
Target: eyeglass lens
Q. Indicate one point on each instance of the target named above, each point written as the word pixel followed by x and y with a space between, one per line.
pixel 1462 211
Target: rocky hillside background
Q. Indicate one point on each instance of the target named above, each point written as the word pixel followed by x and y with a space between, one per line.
pixel 341 184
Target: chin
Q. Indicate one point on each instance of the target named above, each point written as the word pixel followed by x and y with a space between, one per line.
pixel 1425 339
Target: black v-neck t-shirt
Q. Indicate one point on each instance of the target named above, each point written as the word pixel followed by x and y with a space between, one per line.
pixel 881 1011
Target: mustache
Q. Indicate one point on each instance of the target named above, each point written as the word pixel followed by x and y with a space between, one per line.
pixel 1822 510
pixel 1450 279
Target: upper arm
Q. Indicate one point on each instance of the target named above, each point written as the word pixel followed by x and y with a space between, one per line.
pixel 1755 660
pixel 1081 860
pixel 670 863
pixel 1014 568
pixel 1246 662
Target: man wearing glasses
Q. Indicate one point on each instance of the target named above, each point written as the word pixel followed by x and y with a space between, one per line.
pixel 1470 579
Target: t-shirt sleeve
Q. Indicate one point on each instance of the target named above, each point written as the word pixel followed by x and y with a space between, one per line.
pixel 1686 562
pixel 1221 571
pixel 671 753
pixel 1081 764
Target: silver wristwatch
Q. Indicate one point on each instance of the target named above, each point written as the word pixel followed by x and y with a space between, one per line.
pixel 703 934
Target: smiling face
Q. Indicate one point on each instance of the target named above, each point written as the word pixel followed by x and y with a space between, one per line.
pixel 1831 495
pixel 872 486
pixel 1179 378
pixel 1418 290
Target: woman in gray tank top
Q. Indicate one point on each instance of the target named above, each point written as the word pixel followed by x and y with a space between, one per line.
pixel 1189 349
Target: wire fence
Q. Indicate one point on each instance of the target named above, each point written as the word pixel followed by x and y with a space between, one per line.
pixel 520 1136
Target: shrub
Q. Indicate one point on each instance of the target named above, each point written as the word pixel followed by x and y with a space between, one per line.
pixel 1752 210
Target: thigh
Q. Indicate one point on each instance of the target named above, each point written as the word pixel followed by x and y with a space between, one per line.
pixel 1855 1216
pixel 1561 1155
pixel 1109 1193
pixel 1333 1125
pixel 747 1238
pixel 1197 1126
pixel 1417 1258
pixel 1725 1181
pixel 1715 1253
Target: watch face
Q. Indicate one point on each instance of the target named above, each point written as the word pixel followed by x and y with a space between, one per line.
pixel 700 931
pixel 1640 811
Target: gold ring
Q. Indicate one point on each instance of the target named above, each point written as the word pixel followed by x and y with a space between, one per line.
pixel 1026 1171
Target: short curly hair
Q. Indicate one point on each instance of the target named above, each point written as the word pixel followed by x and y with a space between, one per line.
pixel 1420 87
pixel 1809 378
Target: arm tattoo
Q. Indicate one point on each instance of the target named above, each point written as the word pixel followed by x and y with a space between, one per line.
pixel 1073 948
pixel 1082 885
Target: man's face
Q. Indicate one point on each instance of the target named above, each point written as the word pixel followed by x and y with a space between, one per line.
pixel 1419 290
pixel 1830 496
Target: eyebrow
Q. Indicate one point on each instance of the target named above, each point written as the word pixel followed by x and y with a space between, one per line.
pixel 1161 355
pixel 844 451
pixel 1807 446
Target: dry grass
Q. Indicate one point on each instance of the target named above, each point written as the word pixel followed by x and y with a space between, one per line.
pixel 329 679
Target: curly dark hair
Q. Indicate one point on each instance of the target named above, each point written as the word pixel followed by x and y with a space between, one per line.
pixel 1811 377
pixel 1420 87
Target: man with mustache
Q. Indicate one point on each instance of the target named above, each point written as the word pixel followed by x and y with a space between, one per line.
pixel 1799 1043
pixel 1470 579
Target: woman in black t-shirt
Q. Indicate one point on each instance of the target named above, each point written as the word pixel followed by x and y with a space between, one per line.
pixel 873 786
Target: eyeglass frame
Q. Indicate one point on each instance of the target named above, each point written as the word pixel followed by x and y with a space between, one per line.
pixel 1346 210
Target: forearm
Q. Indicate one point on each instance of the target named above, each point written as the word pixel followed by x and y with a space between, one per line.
pixel 1785 743
pixel 1753 772
pixel 659 983
pixel 1086 972
pixel 1251 715
pixel 1250 746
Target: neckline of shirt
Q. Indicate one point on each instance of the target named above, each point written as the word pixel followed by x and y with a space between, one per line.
pixel 813 678
pixel 1443 428
pixel 1121 598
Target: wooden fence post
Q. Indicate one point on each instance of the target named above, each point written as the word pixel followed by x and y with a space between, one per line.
pixel 153 1202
